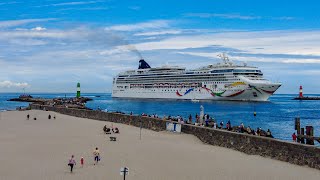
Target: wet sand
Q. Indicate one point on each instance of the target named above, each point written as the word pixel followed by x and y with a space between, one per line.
pixel 40 149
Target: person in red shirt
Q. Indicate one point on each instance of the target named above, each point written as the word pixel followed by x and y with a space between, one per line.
pixel 294 137
pixel 82 161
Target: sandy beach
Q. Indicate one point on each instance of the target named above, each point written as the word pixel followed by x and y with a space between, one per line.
pixel 40 149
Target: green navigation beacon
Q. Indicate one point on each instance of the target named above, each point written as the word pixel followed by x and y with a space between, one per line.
pixel 78 90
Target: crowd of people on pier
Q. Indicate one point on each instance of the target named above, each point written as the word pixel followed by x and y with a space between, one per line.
pixel 207 121
pixel 210 122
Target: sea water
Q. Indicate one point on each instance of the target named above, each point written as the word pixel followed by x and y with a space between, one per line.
pixel 277 114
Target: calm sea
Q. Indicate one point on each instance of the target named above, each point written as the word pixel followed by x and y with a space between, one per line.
pixel 277 115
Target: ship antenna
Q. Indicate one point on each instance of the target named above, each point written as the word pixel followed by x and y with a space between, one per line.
pixel 225 58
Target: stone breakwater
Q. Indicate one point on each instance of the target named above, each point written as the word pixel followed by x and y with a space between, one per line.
pixel 299 154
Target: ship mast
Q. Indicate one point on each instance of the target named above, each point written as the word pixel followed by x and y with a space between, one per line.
pixel 225 59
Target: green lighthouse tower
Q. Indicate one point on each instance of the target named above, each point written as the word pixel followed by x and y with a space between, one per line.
pixel 78 90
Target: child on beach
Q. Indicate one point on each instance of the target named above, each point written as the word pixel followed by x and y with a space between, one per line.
pixel 72 162
pixel 96 155
pixel 82 161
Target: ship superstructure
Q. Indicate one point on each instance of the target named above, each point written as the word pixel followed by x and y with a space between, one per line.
pixel 222 81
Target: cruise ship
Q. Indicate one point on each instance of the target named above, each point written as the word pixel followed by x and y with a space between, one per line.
pixel 221 81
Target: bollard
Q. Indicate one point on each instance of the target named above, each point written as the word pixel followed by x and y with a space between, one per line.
pixel 302 139
pixel 297 124
pixel 309 132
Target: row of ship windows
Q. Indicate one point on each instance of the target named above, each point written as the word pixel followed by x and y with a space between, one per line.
pixel 188 77
pixel 163 83
pixel 222 81
pixel 214 71
pixel 174 90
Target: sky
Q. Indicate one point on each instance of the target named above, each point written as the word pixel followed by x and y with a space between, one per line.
pixel 50 45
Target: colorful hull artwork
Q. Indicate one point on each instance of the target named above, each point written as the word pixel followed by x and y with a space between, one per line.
pixel 223 93
pixel 269 92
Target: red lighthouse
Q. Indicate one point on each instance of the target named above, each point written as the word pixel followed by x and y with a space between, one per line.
pixel 300 92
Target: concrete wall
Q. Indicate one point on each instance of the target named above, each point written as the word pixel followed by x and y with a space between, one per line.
pixel 144 122
pixel 294 153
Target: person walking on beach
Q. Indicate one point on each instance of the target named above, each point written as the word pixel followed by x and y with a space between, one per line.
pixel 28 116
pixel 72 163
pixel 96 155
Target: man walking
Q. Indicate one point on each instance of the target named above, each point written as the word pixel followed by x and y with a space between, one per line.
pixel 96 155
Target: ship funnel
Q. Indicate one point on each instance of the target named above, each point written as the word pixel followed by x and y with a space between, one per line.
pixel 143 64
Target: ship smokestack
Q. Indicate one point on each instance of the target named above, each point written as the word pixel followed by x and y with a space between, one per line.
pixel 300 92
pixel 143 64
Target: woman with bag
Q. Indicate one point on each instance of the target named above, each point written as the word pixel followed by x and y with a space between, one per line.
pixel 72 162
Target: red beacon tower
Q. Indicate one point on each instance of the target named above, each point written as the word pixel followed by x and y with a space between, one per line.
pixel 300 92
pixel 301 97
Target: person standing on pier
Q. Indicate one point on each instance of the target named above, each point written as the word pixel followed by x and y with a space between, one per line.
pixel 197 118
pixel 221 124
pixel 248 130
pixel 294 137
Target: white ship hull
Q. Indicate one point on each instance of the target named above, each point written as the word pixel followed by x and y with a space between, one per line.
pixel 214 82
pixel 247 93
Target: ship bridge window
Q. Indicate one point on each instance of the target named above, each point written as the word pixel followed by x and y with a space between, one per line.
pixel 222 71
pixel 246 70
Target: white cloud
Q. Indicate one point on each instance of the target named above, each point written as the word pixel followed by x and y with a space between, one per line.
pixel 225 16
pixel 13 23
pixel 38 28
pixel 283 18
pixel 154 24
pixel 256 42
pixel 9 84
pixel 27 42
pixel 117 50
pixel 254 59
pixel 7 3
pixel 35 34
pixel 235 16
pixel 154 33
pixel 85 9
pixel 76 3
